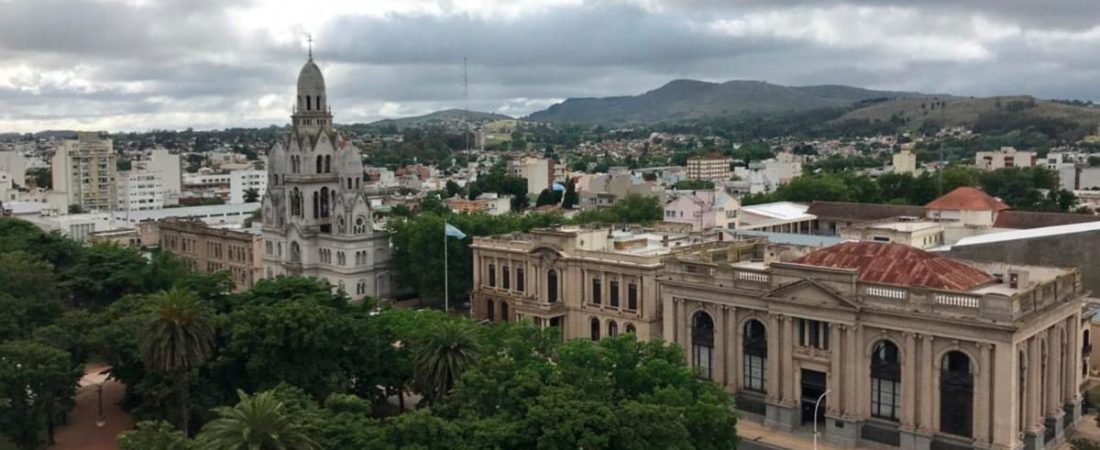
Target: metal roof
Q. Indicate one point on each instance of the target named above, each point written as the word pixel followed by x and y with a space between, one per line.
pixel 889 263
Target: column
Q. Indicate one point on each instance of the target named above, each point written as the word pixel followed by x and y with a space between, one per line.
pixel 720 348
pixel 788 361
pixel 851 408
pixel 1034 379
pixel 927 385
pixel 835 376
pixel 1073 380
pixel 773 374
pixel 860 371
pixel 668 324
pixel 1054 364
pixel 682 323
pixel 733 351
pixel 981 394
pixel 909 382
pixel 1003 395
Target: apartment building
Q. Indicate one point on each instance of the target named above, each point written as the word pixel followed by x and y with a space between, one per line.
pixel 1003 158
pixel 713 167
pixel 539 172
pixel 905 160
pixel 85 173
pixel 242 181
pixel 210 249
pixel 703 209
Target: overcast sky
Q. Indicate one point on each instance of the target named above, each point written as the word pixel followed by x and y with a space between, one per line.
pixel 144 64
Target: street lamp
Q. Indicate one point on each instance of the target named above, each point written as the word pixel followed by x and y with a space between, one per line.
pixel 816 405
pixel 100 421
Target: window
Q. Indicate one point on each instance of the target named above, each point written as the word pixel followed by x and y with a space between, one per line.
pixel 613 295
pixel 885 381
pixel 630 328
pixel 552 286
pixel 490 310
pixel 506 279
pixel 492 275
pixel 595 324
pixel 360 225
pixel 755 347
pixel 504 311
pixel 520 281
pixel 956 394
pixel 597 291
pixel 702 344
pixel 612 329
pixel 813 333
pixel 632 296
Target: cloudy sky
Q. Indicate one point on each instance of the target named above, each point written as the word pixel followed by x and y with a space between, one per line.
pixel 143 64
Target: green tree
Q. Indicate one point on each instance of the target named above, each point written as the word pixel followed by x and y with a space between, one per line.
pixel 159 435
pixel 441 358
pixel 690 185
pixel 37 385
pixel 179 338
pixel 258 422
pixel 104 273
pixel 251 195
pixel 569 199
pixel 453 189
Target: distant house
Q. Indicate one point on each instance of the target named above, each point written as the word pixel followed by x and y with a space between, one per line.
pixel 703 210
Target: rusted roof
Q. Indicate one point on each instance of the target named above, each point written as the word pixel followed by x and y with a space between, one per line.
pixel 862 212
pixel 969 199
pixel 1026 220
pixel 889 263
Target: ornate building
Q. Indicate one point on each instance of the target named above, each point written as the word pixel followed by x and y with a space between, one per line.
pixel 317 219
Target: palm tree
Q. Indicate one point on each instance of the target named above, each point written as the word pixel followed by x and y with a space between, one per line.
pixel 180 337
pixel 442 357
pixel 259 422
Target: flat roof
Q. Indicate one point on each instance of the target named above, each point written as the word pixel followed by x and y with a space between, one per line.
pixel 229 209
pixel 1024 234
pixel 780 210
pixel 907 226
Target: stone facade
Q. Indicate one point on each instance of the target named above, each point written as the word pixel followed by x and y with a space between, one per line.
pixel 915 351
pixel 318 222
pixel 210 249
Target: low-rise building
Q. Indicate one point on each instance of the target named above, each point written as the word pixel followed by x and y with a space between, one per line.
pixel 208 249
pixel 905 160
pixel 703 209
pixel 1004 158
pixel 778 217
pixel 489 203
pixel 916 232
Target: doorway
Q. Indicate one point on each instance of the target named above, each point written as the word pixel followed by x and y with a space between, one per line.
pixel 813 385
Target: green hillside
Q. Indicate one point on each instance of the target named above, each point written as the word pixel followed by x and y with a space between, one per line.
pixel 446 118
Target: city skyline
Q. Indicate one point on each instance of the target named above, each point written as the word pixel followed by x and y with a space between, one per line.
pixel 123 65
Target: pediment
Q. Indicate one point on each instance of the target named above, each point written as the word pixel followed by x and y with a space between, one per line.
pixel 809 292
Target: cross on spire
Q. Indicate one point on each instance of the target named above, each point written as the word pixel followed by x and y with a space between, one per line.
pixel 309 37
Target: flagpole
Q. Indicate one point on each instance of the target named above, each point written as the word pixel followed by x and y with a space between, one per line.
pixel 446 274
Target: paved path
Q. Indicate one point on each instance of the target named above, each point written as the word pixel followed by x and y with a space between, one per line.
pixel 754 436
pixel 82 433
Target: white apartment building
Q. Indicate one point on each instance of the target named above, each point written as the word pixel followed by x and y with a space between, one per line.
pixel 15 165
pixel 139 191
pixel 714 168
pixel 1004 158
pixel 768 175
pixel 240 181
pixel 536 170
pixel 85 174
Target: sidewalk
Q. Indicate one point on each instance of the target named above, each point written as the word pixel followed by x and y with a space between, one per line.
pixel 749 430
pixel 82 433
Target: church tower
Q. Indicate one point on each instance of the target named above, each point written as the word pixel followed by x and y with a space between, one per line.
pixel 317 220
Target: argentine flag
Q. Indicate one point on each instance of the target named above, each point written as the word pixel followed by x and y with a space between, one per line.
pixel 450 230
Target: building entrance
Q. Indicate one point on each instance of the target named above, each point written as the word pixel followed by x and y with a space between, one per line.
pixel 813 385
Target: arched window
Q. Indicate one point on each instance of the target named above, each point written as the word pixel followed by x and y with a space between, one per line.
pixel 630 328
pixel 755 347
pixel 295 202
pixel 552 286
pixel 956 394
pixel 324 202
pixel 316 205
pixel 702 344
pixel 295 252
pixel 309 103
pixel 504 310
pixel 595 325
pixel 341 227
pixel 320 164
pixel 328 163
pixel 490 310
pixel 612 328
pixel 360 225
pixel 885 381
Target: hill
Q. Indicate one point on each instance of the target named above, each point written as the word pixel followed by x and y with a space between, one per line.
pixel 447 118
pixel 973 112
pixel 682 100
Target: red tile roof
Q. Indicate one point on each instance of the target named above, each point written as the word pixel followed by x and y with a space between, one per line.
pixel 967 198
pixel 889 263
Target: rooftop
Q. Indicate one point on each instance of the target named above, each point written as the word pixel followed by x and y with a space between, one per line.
pixel 1025 234
pixel 863 211
pixel 1036 219
pixel 967 198
pixel 889 263
pixel 779 210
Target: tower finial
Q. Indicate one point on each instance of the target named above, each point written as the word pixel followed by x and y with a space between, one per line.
pixel 309 37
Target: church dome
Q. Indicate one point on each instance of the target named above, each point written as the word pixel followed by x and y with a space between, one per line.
pixel 310 80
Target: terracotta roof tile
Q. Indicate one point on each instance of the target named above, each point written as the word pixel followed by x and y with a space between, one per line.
pixel 967 198
pixel 1025 220
pixel 889 263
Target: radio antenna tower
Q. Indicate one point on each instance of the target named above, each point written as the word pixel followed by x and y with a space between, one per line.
pixel 466 103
